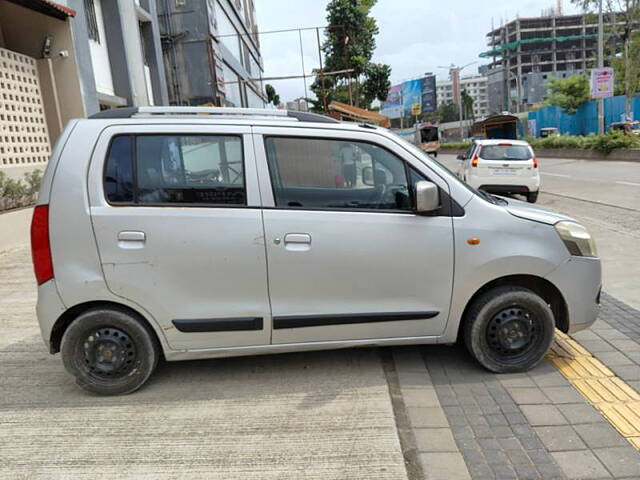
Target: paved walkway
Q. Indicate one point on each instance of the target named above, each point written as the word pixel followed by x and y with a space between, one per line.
pixel 313 415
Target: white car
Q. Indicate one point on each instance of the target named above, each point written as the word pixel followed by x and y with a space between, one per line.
pixel 502 167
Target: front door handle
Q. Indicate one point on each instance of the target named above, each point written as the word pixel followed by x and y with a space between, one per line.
pixel 130 236
pixel 297 238
pixel 297 242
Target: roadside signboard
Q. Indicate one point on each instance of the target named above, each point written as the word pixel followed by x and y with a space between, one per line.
pixel 416 108
pixel 602 82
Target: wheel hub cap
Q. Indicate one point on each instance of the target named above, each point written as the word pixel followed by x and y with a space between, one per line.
pixel 511 331
pixel 109 352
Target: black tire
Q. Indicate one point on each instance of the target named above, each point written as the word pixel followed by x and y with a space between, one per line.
pixel 109 351
pixel 435 154
pixel 532 197
pixel 528 333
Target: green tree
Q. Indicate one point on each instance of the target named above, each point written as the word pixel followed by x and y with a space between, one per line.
pixel 272 96
pixel 448 112
pixel 349 45
pixel 631 82
pixel 623 32
pixel 467 106
pixel 568 93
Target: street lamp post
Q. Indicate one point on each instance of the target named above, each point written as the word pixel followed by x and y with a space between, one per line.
pixel 600 65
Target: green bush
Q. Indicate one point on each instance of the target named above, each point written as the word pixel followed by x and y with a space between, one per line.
pixel 15 193
pixel 602 143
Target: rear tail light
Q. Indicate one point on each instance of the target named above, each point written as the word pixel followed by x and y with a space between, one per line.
pixel 40 248
pixel 474 161
pixel 535 162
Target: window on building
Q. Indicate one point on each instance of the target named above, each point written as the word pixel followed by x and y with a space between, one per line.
pixel 253 99
pixel 232 86
pixel 227 33
pixel 92 22
pixel 175 169
pixel 335 174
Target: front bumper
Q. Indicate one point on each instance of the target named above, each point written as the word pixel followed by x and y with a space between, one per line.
pixel 579 280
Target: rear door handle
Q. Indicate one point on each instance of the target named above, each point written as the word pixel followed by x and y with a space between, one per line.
pixel 130 236
pixel 297 238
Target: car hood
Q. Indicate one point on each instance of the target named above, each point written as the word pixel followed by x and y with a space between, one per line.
pixel 531 212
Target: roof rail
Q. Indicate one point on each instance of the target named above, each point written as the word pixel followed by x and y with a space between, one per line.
pixel 129 112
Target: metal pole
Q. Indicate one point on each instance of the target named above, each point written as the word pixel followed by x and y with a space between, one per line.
pixel 324 93
pixel 460 102
pixel 304 77
pixel 600 65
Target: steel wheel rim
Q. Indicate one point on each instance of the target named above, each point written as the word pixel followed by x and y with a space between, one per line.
pixel 512 333
pixel 109 353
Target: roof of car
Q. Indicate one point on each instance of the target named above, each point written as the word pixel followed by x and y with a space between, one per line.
pixel 495 141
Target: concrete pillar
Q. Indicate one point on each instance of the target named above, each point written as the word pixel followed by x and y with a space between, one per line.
pixel 50 100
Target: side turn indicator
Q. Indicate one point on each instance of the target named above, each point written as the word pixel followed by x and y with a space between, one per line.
pixel 473 241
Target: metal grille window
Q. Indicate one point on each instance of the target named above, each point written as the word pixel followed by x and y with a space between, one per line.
pixel 92 22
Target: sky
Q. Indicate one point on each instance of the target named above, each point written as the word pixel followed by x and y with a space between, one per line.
pixel 416 36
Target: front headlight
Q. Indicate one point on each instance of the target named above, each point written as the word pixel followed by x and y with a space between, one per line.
pixel 577 238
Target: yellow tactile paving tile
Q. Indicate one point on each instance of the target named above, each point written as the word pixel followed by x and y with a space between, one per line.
pixel 606 390
pixel 625 417
pixel 581 367
pixel 617 401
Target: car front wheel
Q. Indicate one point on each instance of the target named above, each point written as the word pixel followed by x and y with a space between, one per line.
pixel 109 351
pixel 509 329
pixel 532 197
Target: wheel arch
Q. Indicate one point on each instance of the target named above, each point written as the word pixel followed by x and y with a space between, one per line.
pixel 63 322
pixel 541 286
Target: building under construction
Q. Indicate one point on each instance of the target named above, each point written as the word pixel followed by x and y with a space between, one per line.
pixel 526 52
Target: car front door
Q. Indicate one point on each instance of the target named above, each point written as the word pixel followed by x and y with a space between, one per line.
pixel 175 211
pixel 348 259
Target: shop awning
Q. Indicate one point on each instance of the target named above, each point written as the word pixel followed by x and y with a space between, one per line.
pixel 47 7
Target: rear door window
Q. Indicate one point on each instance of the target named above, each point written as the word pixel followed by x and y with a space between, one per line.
pixel 505 152
pixel 175 169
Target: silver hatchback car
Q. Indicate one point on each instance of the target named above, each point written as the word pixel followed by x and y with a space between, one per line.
pixel 213 232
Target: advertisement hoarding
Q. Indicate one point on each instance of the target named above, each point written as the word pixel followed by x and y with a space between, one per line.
pixel 403 98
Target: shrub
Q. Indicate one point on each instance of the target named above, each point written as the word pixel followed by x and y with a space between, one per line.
pixel 15 194
pixel 455 145
pixel 602 143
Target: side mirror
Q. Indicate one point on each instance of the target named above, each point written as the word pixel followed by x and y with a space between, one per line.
pixel 427 197
pixel 367 176
pixel 461 157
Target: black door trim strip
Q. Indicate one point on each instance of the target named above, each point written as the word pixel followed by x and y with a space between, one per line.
pixel 300 321
pixel 219 324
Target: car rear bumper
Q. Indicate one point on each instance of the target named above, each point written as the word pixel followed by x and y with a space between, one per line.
pixel 579 280
pixel 506 184
pixel 48 309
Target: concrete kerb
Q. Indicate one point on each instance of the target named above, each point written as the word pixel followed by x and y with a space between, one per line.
pixel 437 452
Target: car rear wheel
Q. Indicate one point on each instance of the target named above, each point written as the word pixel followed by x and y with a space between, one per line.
pixel 109 351
pixel 532 197
pixel 509 329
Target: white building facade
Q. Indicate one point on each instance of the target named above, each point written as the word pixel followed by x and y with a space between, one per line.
pixel 475 86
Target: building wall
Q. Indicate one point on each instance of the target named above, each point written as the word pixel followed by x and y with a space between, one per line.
pixel 212 53
pixel 476 87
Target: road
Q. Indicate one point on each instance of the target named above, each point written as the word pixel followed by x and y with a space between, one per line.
pixel 605 196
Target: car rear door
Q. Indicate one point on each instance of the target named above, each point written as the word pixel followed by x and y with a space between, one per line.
pixel 348 259
pixel 505 161
pixel 176 216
